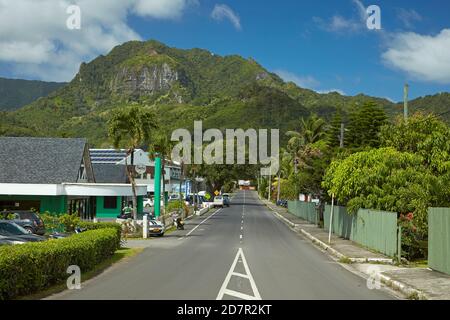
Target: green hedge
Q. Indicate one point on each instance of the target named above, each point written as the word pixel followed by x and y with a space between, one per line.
pixel 101 225
pixel 30 267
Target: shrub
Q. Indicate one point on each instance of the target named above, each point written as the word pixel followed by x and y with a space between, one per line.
pixel 30 267
pixel 101 225
pixel 69 221
pixel 176 205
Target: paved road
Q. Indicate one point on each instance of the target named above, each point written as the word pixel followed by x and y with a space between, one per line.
pixel 241 252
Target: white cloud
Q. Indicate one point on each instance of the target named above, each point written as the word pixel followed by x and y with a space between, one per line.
pixel 307 82
pixel 409 17
pixel 222 11
pixel 423 57
pixel 162 9
pixel 341 92
pixel 35 40
pixel 340 24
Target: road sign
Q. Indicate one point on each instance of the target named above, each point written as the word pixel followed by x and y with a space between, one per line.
pixel 216 193
pixel 207 196
pixel 140 169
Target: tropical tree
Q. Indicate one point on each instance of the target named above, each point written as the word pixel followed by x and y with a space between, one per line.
pixel 334 130
pixel 131 127
pixel 364 126
pixel 425 135
pixel 308 148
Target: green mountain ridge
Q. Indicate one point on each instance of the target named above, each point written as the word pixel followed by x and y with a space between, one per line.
pixel 16 93
pixel 181 86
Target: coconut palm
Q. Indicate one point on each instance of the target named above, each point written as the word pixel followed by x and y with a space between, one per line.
pixel 131 127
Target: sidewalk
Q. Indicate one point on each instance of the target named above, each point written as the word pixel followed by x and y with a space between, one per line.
pixel 413 283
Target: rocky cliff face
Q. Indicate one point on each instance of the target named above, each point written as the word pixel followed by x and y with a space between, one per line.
pixel 146 81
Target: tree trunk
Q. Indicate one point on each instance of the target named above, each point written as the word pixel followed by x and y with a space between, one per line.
pixel 130 174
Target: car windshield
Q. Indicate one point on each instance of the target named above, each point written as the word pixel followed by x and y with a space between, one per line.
pixel 11 229
pixel 219 198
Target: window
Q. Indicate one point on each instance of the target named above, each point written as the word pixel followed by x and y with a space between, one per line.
pixel 110 203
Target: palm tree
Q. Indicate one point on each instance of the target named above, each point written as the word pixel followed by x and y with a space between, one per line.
pixel 307 143
pixel 131 127
pixel 285 169
pixel 311 131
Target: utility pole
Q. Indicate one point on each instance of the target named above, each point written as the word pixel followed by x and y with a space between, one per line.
pixel 341 137
pixel 279 186
pixel 296 172
pixel 405 101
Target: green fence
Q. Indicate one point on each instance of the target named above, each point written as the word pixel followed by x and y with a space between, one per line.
pixel 439 239
pixel 376 230
pixel 304 210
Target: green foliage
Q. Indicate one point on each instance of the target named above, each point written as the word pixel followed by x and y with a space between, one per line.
pixel 334 131
pixel 424 135
pixel 389 180
pixel 30 267
pixel 15 93
pixel 69 221
pixel 364 126
pixel 174 206
pixel 131 126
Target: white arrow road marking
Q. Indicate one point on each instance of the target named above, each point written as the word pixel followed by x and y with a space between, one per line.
pixel 248 275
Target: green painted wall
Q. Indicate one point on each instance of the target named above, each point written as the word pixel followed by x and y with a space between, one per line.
pixel 52 204
pixel 140 204
pixel 439 239
pixel 103 213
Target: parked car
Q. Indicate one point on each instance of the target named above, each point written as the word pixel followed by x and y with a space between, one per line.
pixel 226 199
pixel 8 241
pixel 282 203
pixel 218 202
pixel 28 220
pixel 12 231
pixel 156 228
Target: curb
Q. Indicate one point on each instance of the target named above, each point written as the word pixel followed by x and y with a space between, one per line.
pixel 408 291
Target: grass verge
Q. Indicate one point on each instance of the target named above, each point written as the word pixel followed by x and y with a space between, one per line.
pixel 119 255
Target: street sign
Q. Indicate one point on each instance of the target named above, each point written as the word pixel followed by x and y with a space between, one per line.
pixel 140 169
pixel 216 193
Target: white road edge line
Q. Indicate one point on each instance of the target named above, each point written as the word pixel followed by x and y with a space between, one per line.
pixel 223 290
pixel 190 232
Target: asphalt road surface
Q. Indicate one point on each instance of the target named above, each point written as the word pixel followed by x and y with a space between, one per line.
pixel 241 252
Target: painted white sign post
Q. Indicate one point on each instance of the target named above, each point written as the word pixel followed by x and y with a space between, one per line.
pixel 145 227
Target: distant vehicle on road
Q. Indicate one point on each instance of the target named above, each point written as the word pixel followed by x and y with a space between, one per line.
pixel 11 231
pixel 226 199
pixel 219 202
pixel 28 220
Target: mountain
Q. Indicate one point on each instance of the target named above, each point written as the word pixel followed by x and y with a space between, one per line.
pixel 438 104
pixel 181 86
pixel 16 93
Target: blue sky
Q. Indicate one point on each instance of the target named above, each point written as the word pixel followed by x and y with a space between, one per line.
pixel 322 44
